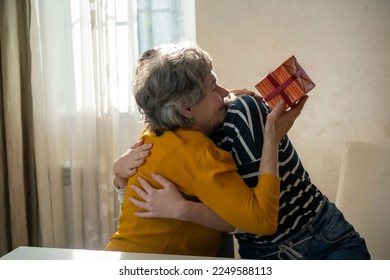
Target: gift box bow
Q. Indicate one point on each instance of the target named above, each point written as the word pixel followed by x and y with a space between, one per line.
pixel 288 81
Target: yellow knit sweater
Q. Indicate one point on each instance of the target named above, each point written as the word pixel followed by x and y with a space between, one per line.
pixel 200 169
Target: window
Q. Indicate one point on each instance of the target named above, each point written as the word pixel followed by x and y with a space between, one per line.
pixel 159 22
pixel 120 30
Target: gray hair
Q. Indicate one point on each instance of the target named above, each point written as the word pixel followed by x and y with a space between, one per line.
pixel 168 79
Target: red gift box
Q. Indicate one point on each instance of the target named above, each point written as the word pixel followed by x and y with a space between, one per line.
pixel 288 81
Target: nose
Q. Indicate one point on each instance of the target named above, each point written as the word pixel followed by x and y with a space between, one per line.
pixel 223 92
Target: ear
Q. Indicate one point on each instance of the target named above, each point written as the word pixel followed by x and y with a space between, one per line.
pixel 186 112
pixel 184 108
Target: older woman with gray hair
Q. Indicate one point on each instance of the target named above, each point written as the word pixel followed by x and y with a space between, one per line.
pixel 182 103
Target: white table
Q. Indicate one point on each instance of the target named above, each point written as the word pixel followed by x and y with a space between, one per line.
pixel 39 253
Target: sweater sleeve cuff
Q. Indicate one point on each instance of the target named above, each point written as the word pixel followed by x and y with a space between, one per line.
pixel 120 192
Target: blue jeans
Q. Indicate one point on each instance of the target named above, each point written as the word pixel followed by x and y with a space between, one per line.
pixel 327 237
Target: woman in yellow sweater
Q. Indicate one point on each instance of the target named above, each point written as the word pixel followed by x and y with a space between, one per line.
pixel 178 94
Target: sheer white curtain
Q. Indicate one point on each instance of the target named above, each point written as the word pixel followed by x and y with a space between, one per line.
pixel 84 114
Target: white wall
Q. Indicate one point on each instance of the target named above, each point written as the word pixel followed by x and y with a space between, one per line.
pixel 344 47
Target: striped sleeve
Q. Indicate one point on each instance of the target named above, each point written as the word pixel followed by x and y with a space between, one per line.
pixel 244 127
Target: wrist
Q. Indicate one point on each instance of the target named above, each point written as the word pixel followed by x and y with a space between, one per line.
pixel 270 136
pixel 183 212
pixel 119 182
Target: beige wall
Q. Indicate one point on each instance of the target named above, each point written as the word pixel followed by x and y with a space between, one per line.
pixel 343 45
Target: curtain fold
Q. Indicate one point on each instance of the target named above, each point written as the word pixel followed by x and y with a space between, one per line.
pixel 18 214
pixel 82 57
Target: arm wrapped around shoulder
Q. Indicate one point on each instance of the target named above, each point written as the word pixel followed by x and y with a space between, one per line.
pixel 220 187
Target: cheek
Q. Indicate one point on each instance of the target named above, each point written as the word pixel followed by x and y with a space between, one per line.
pixel 218 115
pixel 211 116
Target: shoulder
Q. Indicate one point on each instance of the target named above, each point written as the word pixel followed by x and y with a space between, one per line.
pixel 244 108
pixel 189 148
pixel 186 142
pixel 248 104
pixel 246 111
pixel 209 156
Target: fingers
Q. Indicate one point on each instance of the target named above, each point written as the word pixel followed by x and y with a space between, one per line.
pixel 299 105
pixel 126 165
pixel 144 192
pixel 242 91
pixel 165 202
pixel 145 205
pixel 132 159
pixel 141 192
pixel 279 108
pixel 144 147
pixel 137 144
pixel 247 92
pixel 139 203
pixel 138 160
pixel 257 96
pixel 146 185
pixel 164 182
pixel 279 121
pixel 143 215
pixel 142 151
pixel 131 172
pixel 296 109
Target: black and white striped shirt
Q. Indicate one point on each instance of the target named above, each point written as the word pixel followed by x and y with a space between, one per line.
pixel 242 135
